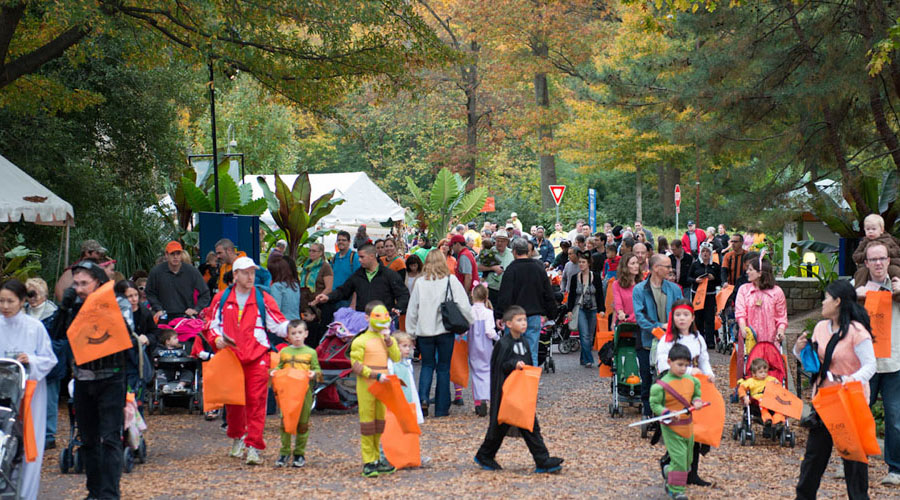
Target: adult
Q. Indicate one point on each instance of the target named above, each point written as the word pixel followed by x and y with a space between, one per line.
pixel 543 246
pixel 278 250
pixel 444 247
pixel 423 249
pixel 41 308
pixel 653 299
pixel 628 275
pixel 495 272
pixel 662 246
pixel 285 287
pixel 733 262
pixel 692 238
pixel 570 269
pixel 557 236
pixel 90 249
pixel 525 284
pixel 144 327
pixel 226 253
pixel 172 286
pixel 371 281
pixel 722 241
pixel 38 305
pixel 886 380
pixel 424 320
pixel 681 263
pixel 845 332
pixel 586 293
pixel 598 254
pixel 361 238
pixel 580 243
pixel 474 236
pixel 466 268
pixel 648 235
pixel 761 305
pixel 379 248
pixel 704 269
pixel 514 218
pixel 27 337
pixel 235 321
pixel 344 263
pixel 575 232
pixel 392 257
pixel 316 275
pixel 642 253
pixel 209 269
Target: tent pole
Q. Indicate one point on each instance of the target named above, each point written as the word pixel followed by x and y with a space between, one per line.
pixel 67 245
pixel 59 257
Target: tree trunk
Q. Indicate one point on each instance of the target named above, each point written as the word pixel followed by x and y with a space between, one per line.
pixel 545 130
pixel 669 176
pixel 470 82
pixel 638 196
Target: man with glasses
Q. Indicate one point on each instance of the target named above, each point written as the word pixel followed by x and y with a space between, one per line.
pixel 344 263
pixel 886 380
pixel 653 300
pixel 171 286
pixel 733 263
pixel 90 249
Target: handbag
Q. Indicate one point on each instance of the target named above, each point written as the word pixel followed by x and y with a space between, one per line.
pixel 810 359
pixel 451 316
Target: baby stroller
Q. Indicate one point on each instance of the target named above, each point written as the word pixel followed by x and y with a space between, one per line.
pixel 12 390
pixel 743 431
pixel 725 334
pixel 167 393
pixel 556 331
pixel 625 384
pixel 338 388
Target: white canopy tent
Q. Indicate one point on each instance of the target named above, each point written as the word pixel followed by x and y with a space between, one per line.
pixel 23 198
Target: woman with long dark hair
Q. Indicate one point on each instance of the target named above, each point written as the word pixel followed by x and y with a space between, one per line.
pixel 285 287
pixel 586 293
pixel 846 332
pixel 628 275
pixel 761 304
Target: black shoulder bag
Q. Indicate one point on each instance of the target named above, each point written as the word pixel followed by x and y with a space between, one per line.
pixel 453 319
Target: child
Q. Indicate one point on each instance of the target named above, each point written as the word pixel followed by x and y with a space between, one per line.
pixel 873 225
pixel 171 348
pixel 753 388
pixel 612 262
pixel 681 331
pixel 481 338
pixel 315 327
pixel 298 355
pixel 510 353
pixel 488 256
pixel 369 354
pixel 675 391
pixel 404 371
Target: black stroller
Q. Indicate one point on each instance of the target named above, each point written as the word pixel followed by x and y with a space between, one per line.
pixel 161 394
pixel 556 331
pixel 12 390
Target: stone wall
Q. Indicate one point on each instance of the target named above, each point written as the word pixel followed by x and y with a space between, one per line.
pixel 802 294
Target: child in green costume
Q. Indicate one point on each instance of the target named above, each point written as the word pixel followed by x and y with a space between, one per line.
pixel 302 357
pixel 674 391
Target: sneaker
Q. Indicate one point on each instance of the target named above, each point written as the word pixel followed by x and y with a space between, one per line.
pixel 663 462
pixel 384 467
pixel 553 464
pixel 50 444
pixel 487 463
pixel 892 479
pixel 370 469
pixel 282 461
pixel 458 402
pixel 767 430
pixel 299 461
pixel 424 410
pixel 211 415
pixel 253 457
pixel 696 481
pixel 677 496
pixel 481 410
pixel 425 462
pixel 237 448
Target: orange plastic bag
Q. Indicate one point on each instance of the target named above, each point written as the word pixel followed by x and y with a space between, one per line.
pixel 710 420
pixel 459 363
pixel 715 257
pixel 733 370
pixel 722 297
pixel 291 386
pixel 400 448
pixel 718 323
pixel 519 402
pixel 223 381
pixel 878 304
pixel 846 414
pixel 602 334
pixel 778 399
pixel 99 329
pixel 609 298
pixel 391 394
pixel 700 295
pixel 28 422
pixel 658 332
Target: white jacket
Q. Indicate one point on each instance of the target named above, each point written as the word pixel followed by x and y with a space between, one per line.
pixel 423 315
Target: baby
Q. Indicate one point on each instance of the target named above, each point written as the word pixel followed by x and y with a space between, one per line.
pixel 171 348
pixel 873 225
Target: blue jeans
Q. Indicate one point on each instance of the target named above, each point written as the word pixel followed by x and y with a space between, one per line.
pixel 587 326
pixel 443 345
pixel 643 356
pixel 52 408
pixel 888 384
pixel 532 335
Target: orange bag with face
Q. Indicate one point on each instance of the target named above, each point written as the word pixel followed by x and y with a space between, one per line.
pixel 700 296
pixel 710 420
pixel 291 386
pixel 400 448
pixel 391 394
pixel 223 381
pixel 99 329
pixel 459 363
pixel 519 402
pixel 845 412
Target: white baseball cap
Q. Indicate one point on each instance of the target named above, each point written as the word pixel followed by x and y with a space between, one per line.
pixel 513 214
pixel 243 263
pixel 501 234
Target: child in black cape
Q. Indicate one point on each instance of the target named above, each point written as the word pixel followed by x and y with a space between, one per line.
pixel 510 353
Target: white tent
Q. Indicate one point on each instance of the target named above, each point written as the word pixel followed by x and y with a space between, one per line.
pixel 365 202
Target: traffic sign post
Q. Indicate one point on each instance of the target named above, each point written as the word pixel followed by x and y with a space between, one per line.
pixel 557 190
pixel 592 210
pixel 677 205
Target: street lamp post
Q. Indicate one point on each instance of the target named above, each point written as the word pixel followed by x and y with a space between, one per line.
pixel 215 151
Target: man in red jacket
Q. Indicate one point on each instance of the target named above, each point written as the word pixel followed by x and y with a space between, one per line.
pixel 466 268
pixel 693 238
pixel 236 324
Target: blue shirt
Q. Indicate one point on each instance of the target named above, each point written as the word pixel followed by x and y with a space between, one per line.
pixel 288 299
pixel 343 267
pixel 545 248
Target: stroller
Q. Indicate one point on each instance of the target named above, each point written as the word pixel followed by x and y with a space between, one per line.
pixel 160 397
pixel 556 331
pixel 338 388
pixel 743 431
pixel 625 384
pixel 726 334
pixel 12 390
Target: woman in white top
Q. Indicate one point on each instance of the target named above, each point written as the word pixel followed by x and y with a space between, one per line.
pixel 424 320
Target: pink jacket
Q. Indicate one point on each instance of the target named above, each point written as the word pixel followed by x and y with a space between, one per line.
pixel 622 301
pixel 764 310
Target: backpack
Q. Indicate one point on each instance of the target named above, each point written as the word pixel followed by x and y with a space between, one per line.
pixel 260 303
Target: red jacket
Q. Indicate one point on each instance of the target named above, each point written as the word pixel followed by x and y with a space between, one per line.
pixel 249 334
pixel 686 240
pixel 465 253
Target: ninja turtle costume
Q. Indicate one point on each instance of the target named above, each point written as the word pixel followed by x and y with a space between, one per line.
pixel 670 394
pixel 301 358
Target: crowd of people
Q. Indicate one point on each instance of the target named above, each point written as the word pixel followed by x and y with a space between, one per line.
pixel 503 282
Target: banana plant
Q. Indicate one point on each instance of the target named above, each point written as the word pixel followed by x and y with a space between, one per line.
pixel 232 198
pixel 447 201
pixel 294 214
pixel 20 262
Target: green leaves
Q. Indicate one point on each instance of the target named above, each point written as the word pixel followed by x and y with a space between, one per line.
pixel 447 200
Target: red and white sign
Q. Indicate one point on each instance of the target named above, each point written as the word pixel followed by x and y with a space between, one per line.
pixel 677 198
pixel 557 190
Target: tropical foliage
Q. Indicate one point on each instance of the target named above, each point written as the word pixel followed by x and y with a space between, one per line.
pixel 446 202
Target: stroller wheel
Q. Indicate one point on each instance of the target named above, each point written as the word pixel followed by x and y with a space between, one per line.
pixel 620 411
pixel 160 407
pixel 781 439
pixel 128 460
pixel 612 410
pixel 751 436
pixel 142 452
pixel 563 346
pixel 743 437
pixel 78 461
pixel 792 440
pixel 65 460
pixel 573 344
pixel 735 432
pixel 552 365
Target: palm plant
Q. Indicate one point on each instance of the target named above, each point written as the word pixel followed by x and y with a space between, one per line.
pixel 447 201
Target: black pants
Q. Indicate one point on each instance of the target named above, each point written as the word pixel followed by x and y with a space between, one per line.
pixel 815 461
pixel 494 438
pixel 643 356
pixel 706 320
pixel 99 413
